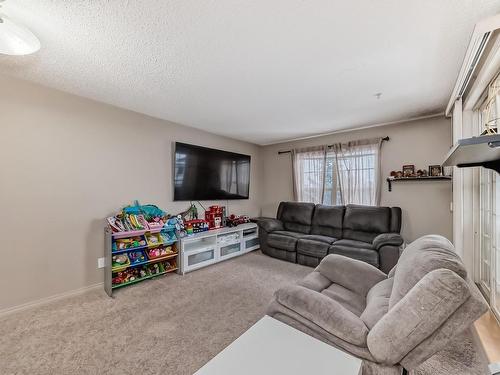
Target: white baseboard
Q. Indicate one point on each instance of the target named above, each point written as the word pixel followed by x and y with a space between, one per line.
pixel 43 301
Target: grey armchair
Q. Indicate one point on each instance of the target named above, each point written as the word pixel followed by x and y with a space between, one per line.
pixel 390 321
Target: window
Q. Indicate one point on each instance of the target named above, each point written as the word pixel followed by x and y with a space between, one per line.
pixel 488 253
pixel 338 175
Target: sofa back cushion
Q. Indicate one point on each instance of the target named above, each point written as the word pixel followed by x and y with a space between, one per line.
pixel 327 221
pixel 364 223
pixel 296 216
pixel 395 220
pixel 422 256
pixel 377 302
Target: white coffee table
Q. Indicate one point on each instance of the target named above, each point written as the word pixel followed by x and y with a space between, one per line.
pixel 271 347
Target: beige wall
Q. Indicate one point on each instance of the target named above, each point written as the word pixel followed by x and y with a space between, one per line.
pixel 426 205
pixel 66 163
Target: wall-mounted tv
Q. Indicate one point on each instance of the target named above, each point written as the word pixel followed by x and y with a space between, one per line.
pixel 202 173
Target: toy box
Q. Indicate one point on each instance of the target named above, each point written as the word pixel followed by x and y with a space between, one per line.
pixel 128 243
pixel 137 257
pixel 154 239
pixel 160 252
pixel 120 262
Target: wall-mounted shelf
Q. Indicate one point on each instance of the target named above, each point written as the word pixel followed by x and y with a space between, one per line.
pixel 427 178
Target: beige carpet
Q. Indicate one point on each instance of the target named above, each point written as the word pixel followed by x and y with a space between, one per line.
pixel 172 325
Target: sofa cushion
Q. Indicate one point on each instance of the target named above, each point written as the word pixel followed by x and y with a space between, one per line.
pixel 313 248
pixel 296 216
pixel 283 240
pixel 327 220
pixel 352 301
pixel 422 311
pixel 377 302
pixel 289 233
pixel 269 224
pixel 316 237
pixel 354 243
pixel 314 245
pixel 396 214
pixel 364 223
pixel 366 255
pixel 419 258
pixel 347 272
pixel 325 312
pixel 315 281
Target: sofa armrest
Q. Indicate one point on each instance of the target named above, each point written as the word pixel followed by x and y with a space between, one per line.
pixel 269 224
pixel 417 315
pixel 352 274
pixel 391 239
pixel 324 312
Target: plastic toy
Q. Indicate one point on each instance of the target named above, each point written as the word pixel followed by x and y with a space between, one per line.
pixel 168 236
pixel 215 216
pixel 129 243
pixel 234 220
pixel 159 252
pixel 137 217
pixel 154 239
pixel 119 260
pixel 119 278
pixel 136 257
pixel 153 269
pixel 196 226
pixel 115 224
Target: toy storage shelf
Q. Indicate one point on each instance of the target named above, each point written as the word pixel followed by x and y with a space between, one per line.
pixel 156 260
pixel 111 250
pixel 142 247
pixel 205 248
pixel 144 278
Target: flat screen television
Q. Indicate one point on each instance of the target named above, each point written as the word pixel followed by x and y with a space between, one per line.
pixel 202 173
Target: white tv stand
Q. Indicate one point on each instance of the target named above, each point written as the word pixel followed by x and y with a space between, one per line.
pixel 205 248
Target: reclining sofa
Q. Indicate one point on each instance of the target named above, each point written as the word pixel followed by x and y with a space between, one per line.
pixel 390 321
pixel 305 233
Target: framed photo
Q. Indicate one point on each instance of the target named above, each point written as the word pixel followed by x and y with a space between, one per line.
pixel 408 170
pixel 435 170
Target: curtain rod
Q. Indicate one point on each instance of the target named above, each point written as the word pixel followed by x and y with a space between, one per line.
pixel 288 151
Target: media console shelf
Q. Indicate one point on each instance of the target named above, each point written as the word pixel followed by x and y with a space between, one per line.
pixel 213 246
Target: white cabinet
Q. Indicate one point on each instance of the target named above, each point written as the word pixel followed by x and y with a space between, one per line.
pixel 206 248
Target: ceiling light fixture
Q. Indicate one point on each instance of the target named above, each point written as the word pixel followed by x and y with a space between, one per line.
pixel 16 39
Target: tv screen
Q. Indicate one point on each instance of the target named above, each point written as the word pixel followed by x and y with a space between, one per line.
pixel 202 173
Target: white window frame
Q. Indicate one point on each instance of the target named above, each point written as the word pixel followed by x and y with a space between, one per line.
pixel 486 212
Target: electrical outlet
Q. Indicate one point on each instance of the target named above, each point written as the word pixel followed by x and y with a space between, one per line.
pixel 101 262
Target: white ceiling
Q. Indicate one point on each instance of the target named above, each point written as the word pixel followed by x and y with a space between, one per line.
pixel 256 70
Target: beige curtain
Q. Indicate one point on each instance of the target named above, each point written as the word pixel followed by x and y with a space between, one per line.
pixel 357 172
pixel 308 170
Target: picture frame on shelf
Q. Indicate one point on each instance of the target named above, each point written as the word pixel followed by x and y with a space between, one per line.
pixel 435 170
pixel 408 170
